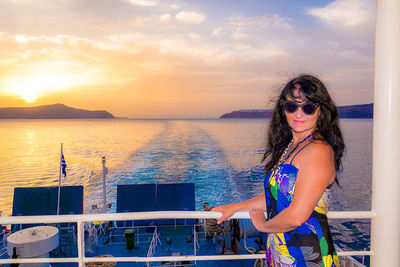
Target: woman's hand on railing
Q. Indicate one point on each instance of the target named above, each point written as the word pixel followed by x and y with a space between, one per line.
pixel 226 211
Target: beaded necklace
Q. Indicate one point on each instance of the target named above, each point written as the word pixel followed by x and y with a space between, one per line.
pixel 284 157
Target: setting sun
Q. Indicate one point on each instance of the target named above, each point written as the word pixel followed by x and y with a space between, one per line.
pixel 28 95
pixel 30 88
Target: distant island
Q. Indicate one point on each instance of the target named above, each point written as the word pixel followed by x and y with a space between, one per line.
pixel 353 111
pixel 56 111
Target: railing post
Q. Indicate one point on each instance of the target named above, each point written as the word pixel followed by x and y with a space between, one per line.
pixel 385 230
pixel 195 242
pixel 81 243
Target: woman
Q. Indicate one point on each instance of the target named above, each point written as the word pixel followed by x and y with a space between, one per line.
pixel 303 155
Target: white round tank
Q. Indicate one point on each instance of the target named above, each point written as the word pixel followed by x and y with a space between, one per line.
pixel 34 242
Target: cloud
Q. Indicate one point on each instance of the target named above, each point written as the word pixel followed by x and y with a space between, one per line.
pixel 267 21
pixel 239 35
pixel 190 17
pixel 217 31
pixel 165 18
pixel 47 54
pixel 194 36
pixel 253 30
pixel 142 2
pixel 347 13
pixel 174 6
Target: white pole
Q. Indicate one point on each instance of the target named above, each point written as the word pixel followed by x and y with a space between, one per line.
pixel 81 243
pixel 59 182
pixel 385 227
pixel 103 160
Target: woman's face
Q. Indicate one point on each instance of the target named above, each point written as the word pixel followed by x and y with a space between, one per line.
pixel 299 121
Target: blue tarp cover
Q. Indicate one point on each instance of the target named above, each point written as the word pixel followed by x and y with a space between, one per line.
pixel 156 197
pixel 43 200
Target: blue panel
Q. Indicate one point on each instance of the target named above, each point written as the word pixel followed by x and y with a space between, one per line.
pixel 43 201
pixel 136 198
pixel 176 197
pixel 33 201
pixel 155 197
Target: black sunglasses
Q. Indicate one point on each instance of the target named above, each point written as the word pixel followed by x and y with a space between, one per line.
pixel 308 108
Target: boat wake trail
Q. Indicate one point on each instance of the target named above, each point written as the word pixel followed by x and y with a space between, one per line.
pixel 183 153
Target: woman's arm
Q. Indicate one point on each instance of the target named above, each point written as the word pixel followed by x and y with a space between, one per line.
pixel 316 172
pixel 227 211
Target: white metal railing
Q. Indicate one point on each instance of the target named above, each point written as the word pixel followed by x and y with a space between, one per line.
pixel 205 231
pixel 196 244
pixel 3 242
pixel 84 218
pixel 153 245
pixel 349 261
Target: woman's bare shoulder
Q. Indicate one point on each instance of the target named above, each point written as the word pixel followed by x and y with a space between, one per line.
pixel 317 152
pixel 320 144
pixel 320 147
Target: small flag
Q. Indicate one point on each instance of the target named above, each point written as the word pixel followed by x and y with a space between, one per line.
pixel 63 165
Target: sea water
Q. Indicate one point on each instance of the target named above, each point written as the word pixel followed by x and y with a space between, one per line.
pixel 221 156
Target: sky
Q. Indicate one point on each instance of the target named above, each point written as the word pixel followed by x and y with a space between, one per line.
pixel 169 59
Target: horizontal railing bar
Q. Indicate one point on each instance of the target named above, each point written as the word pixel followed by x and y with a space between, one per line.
pixel 38 260
pixel 355 253
pixel 156 215
pixel 159 259
pixel 351 214
pixel 135 259
pixel 207 257
pixel 178 258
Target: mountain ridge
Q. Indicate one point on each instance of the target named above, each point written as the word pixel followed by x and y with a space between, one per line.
pixel 351 111
pixel 54 111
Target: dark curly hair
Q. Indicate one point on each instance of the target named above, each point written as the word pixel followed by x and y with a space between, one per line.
pixel 280 133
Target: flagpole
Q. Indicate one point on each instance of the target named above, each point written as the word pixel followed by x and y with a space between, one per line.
pixel 59 182
pixel 103 160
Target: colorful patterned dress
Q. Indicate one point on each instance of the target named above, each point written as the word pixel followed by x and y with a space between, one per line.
pixel 308 245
